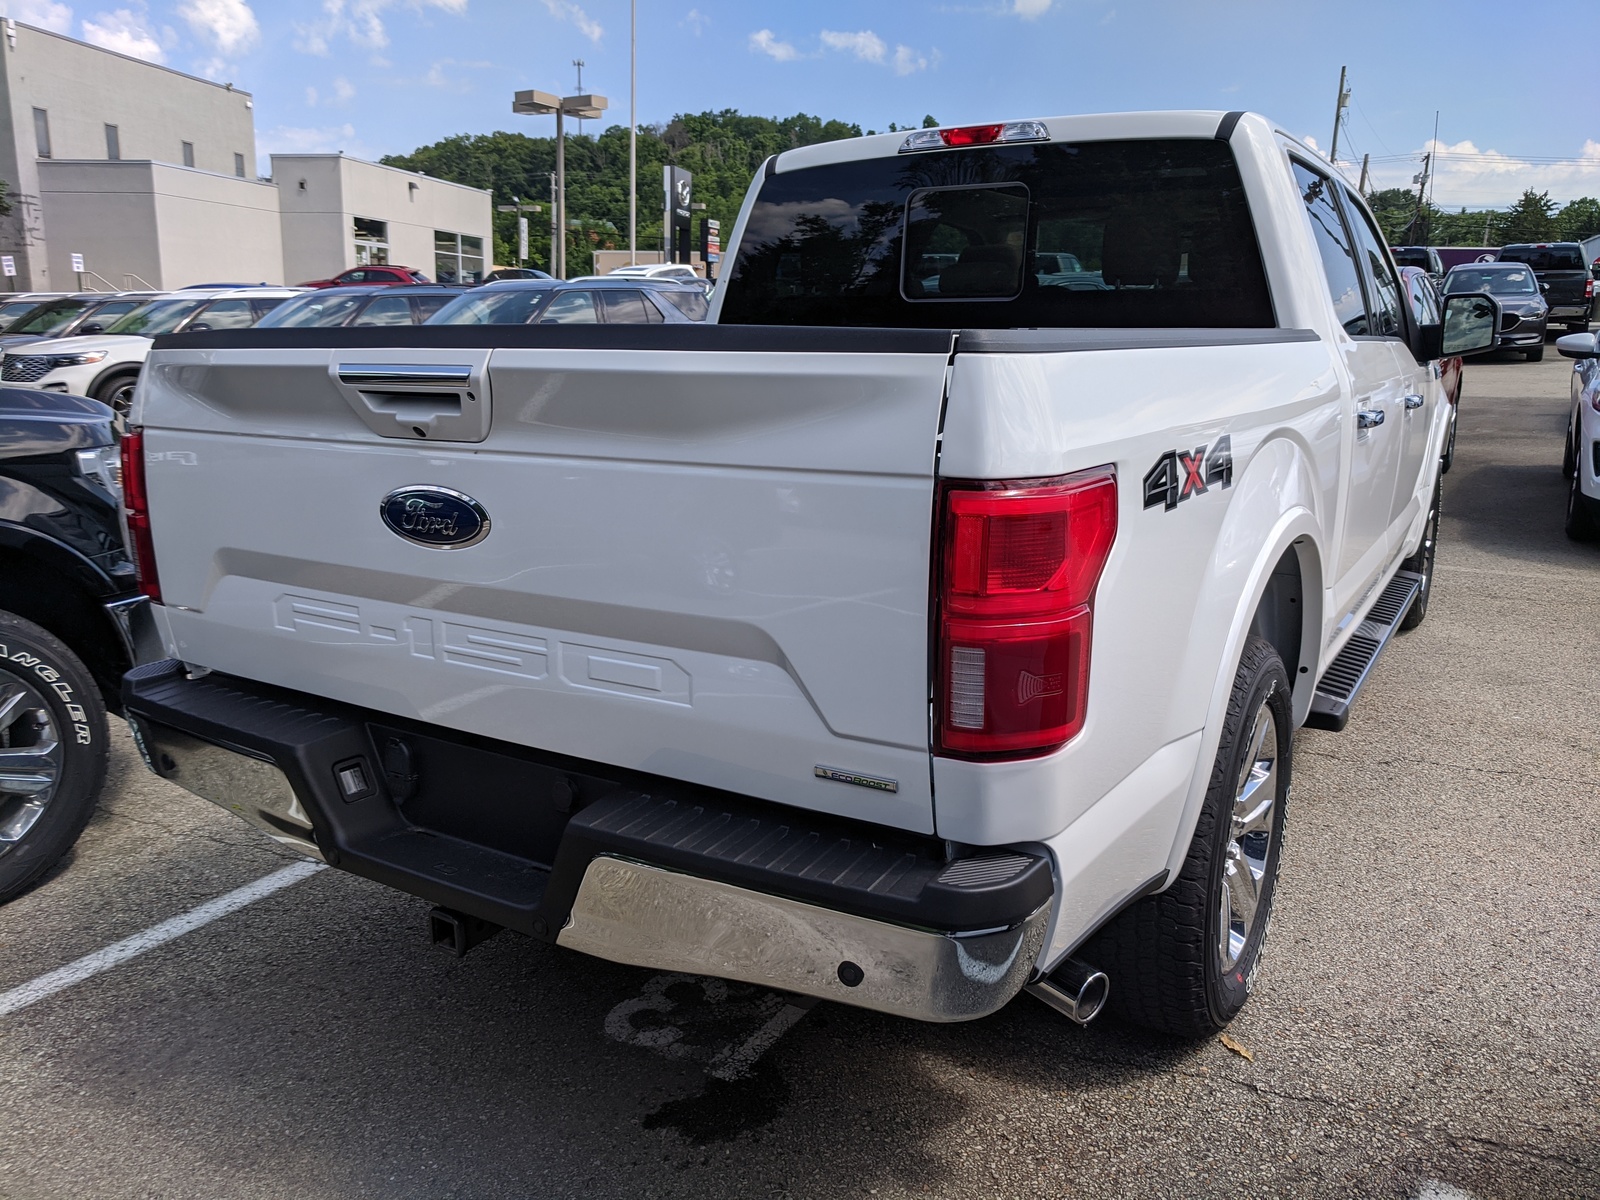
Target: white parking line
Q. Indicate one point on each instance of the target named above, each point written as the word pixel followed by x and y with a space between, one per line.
pixel 89 965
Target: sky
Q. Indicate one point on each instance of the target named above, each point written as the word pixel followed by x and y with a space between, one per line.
pixel 372 77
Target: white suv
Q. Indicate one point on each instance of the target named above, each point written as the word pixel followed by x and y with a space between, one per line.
pixel 106 365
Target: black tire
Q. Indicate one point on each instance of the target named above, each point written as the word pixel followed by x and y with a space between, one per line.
pixel 1569 449
pixel 1581 523
pixel 54 681
pixel 1537 353
pixel 1422 561
pixel 1163 954
pixel 116 392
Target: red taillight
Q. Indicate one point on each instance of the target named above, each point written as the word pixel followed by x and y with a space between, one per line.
pixel 1588 289
pixel 1019 566
pixel 137 504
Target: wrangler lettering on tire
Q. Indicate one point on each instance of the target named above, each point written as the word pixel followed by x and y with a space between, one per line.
pixel 52 751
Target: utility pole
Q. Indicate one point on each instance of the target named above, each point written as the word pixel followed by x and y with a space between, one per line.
pixel 555 226
pixel 1338 112
pixel 580 64
pixel 1421 181
pixel 1366 161
pixel 633 131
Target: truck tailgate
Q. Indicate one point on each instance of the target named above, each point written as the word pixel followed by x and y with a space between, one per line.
pixel 707 554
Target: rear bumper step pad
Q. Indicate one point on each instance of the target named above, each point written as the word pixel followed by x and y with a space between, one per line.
pixel 284 760
pixel 1348 673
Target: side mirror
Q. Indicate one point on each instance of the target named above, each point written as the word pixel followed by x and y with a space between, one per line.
pixel 1579 345
pixel 198 327
pixel 1471 321
pixel 1544 287
pixel 90 328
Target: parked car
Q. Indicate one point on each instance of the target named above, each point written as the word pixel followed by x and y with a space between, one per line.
pixel 680 271
pixel 1567 286
pixel 503 273
pixel 410 304
pixel 86 313
pixel 595 300
pixel 106 365
pixel 1580 461
pixel 1425 257
pixel 1421 290
pixel 68 602
pixel 393 276
pixel 903 652
pixel 18 307
pixel 1524 313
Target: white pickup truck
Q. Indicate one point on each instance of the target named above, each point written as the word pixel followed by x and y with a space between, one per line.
pixel 929 625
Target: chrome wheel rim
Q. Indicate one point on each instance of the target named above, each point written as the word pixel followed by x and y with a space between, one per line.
pixel 121 401
pixel 1244 871
pixel 31 759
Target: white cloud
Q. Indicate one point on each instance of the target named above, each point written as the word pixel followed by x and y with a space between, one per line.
pixel 229 25
pixel 767 43
pixel 327 139
pixel 1465 176
pixel 696 20
pixel 865 45
pixel 908 61
pixel 1111 15
pixel 361 21
pixel 44 14
pixel 1029 9
pixel 126 32
pixel 454 74
pixel 343 89
pixel 311 97
pixel 566 10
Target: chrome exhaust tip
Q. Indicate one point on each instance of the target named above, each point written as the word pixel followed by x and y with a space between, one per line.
pixel 1074 989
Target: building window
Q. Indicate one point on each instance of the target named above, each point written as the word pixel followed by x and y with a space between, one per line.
pixel 238 165
pixel 188 154
pixel 113 143
pixel 457 257
pixel 372 242
pixel 41 131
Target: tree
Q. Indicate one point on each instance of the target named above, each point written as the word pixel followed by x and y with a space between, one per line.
pixel 1530 219
pixel 723 150
pixel 1579 220
pixel 5 198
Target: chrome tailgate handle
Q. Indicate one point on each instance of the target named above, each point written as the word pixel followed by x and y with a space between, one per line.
pixel 419 400
pixel 405 374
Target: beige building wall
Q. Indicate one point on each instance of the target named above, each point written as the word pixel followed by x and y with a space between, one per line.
pixel 321 195
pixel 145 224
pixel 83 89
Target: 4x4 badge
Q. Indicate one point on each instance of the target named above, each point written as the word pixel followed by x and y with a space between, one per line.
pixel 1178 474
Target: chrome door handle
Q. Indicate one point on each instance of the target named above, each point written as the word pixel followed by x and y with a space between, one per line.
pixel 405 375
pixel 1413 401
pixel 1366 418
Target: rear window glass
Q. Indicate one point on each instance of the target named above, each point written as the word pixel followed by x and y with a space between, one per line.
pixel 1545 258
pixel 691 304
pixel 1134 234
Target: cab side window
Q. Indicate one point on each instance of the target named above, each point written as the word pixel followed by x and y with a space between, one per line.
pixel 1333 244
pixel 1384 306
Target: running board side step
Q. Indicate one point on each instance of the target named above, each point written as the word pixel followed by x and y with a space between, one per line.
pixel 1348 673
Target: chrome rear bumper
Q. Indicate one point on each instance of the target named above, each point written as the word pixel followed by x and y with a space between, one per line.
pixel 633 913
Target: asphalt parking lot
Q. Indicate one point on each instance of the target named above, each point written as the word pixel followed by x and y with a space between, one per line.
pixel 1427 1022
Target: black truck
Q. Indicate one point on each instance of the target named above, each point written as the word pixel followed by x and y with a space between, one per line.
pixel 1563 277
pixel 69 605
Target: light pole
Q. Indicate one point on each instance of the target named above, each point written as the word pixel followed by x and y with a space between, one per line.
pixel 539 104
pixel 633 132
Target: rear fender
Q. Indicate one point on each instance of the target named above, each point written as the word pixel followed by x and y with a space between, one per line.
pixel 1274 512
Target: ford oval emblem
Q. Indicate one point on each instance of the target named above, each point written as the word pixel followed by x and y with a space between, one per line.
pixel 435 517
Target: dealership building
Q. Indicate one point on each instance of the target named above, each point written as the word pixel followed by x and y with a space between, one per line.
pixel 149 176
